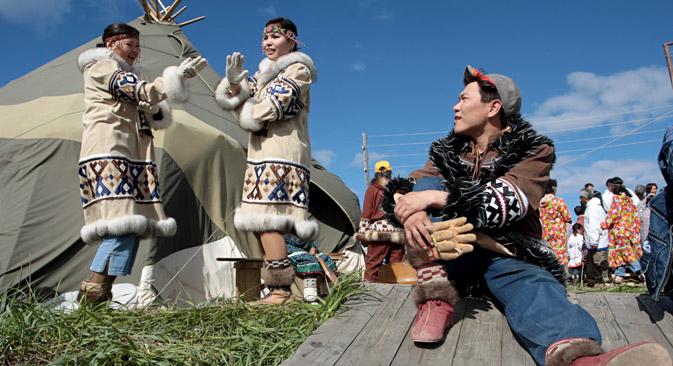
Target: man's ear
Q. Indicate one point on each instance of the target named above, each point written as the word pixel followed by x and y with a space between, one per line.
pixel 494 108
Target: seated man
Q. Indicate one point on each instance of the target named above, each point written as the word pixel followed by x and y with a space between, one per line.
pixel 492 170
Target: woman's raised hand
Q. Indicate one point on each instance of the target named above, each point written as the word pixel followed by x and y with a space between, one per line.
pixel 191 67
pixel 234 69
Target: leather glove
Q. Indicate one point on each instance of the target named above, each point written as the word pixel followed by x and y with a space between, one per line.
pixel 452 238
pixel 234 69
pixel 190 67
pixel 147 107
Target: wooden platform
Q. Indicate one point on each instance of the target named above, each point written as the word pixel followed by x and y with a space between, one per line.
pixel 374 330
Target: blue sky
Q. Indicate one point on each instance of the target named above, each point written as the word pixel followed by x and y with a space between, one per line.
pixel 592 73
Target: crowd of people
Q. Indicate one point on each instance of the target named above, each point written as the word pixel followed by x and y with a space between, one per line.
pixel 606 241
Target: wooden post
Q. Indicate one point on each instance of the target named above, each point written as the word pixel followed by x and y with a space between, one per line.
pixel 667 51
pixel 248 280
pixel 366 157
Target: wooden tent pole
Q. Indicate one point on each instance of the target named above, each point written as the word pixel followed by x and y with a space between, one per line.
pixel 667 51
pixel 179 12
pixel 192 21
pixel 169 11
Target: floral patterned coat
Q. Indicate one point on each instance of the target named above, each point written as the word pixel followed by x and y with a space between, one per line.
pixel 624 234
pixel 554 215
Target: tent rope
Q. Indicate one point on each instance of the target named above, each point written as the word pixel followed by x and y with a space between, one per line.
pixel 199 250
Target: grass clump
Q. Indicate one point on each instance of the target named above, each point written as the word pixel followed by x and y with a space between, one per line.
pixel 223 334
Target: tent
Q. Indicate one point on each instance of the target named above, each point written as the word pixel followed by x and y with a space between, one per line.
pixel 201 161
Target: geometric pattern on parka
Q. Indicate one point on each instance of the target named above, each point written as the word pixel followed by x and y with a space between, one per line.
pixel 117 177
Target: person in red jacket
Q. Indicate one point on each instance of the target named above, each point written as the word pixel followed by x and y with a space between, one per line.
pixel 383 240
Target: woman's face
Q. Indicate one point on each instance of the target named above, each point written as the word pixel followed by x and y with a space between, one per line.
pixel 128 49
pixel 276 45
pixel 653 190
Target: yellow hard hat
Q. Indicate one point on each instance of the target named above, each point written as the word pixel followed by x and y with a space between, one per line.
pixel 382 166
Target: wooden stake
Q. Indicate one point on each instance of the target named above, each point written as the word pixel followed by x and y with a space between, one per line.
pixel 169 11
pixel 156 9
pixel 192 21
pixel 667 51
pixel 366 157
pixel 178 12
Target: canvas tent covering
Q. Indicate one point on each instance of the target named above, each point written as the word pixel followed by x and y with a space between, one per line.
pixel 201 161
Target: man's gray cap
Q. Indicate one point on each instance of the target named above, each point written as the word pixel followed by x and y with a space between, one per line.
pixel 507 89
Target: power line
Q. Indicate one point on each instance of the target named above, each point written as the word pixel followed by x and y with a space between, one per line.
pixel 600 115
pixel 627 144
pixel 605 137
pixel 412 134
pixel 613 140
pixel 598 126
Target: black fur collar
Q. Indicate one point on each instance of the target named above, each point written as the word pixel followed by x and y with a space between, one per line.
pixel 466 196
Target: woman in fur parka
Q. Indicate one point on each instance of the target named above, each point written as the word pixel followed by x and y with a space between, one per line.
pixel 273 106
pixel 118 176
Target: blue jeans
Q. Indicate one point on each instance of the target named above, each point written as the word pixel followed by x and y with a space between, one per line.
pixel 634 266
pixel 120 251
pixel 535 303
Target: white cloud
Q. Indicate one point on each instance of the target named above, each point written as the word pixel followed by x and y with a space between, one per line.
pixel 384 14
pixel 269 11
pixel 40 15
pixel 571 178
pixel 359 66
pixel 358 160
pixel 325 157
pixel 602 97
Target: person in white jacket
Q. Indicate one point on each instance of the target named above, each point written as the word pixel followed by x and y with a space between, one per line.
pixel 595 239
pixel 575 255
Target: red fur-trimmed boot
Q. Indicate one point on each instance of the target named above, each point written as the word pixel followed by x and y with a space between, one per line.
pixel 278 278
pixel 435 297
pixel 586 352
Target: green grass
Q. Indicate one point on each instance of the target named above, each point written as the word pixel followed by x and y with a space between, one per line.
pixel 217 334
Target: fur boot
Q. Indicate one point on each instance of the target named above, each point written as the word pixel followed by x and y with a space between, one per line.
pixel 435 298
pixel 278 278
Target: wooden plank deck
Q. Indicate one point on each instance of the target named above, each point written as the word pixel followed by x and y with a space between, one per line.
pixel 374 330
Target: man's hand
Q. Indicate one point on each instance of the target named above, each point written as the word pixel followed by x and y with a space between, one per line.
pixel 412 202
pixel 415 230
pixel 452 237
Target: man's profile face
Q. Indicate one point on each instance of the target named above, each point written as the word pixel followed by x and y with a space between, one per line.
pixel 470 114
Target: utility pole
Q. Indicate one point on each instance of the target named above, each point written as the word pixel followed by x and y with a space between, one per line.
pixel 364 148
pixel 667 51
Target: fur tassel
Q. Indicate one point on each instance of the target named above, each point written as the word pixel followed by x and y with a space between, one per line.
pixel 371 236
pixel 176 89
pixel 260 223
pixel 417 256
pixel 395 185
pixel 436 290
pixel 231 103
pixel 132 224
pixel 576 348
pixel 268 69
pixel 274 277
pixel 245 118
pixel 166 117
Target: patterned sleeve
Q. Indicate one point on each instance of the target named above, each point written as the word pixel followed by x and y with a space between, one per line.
pixel 504 204
pixel 565 213
pixel 613 214
pixel 285 96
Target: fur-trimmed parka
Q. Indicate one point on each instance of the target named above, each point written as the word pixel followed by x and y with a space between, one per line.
pixel 273 106
pixel 119 183
pixel 498 191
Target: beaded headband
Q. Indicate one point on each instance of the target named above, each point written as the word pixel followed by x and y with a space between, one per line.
pixel 283 32
pixel 118 37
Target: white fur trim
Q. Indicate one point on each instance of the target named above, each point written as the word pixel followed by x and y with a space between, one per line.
pixel 166 114
pixel 132 224
pixel 269 69
pixel 245 118
pixel 229 103
pixel 101 53
pixel 260 223
pixel 176 89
